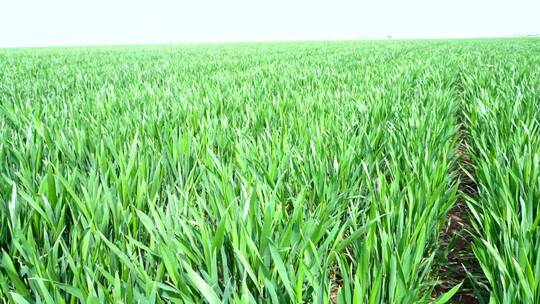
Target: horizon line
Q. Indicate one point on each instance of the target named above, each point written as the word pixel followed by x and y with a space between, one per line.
pixel 263 41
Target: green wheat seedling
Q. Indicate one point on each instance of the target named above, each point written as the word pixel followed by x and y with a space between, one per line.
pixel 256 173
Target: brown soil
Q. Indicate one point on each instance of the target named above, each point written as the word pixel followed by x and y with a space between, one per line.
pixel 456 240
pixel 336 280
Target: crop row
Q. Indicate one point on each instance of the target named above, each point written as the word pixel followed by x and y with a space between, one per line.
pixel 502 110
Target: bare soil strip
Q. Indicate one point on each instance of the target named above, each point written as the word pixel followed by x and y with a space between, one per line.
pixel 460 264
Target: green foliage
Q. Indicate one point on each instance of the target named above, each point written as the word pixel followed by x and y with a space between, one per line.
pixel 286 172
pixel 502 110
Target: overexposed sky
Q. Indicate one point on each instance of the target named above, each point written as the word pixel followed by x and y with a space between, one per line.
pixel 97 22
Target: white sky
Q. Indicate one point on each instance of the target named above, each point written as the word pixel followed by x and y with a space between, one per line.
pixel 91 22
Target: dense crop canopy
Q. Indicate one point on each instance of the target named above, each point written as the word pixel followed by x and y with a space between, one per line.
pixel 287 172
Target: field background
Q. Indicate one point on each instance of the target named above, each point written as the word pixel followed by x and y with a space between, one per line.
pixel 314 172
